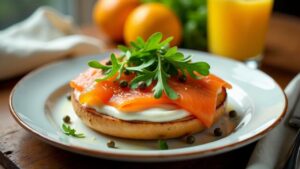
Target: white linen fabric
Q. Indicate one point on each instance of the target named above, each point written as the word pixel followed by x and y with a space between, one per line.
pixel 272 150
pixel 45 36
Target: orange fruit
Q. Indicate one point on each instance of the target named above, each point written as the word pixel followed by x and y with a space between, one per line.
pixel 110 16
pixel 150 18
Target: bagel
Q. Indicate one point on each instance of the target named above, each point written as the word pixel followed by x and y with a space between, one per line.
pixel 144 130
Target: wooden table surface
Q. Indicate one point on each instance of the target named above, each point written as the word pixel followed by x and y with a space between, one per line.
pixel 19 149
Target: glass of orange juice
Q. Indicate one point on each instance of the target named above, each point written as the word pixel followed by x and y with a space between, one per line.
pixel 237 28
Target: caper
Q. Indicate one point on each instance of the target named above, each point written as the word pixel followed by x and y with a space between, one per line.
pixel 111 144
pixel 190 139
pixel 182 78
pixel 123 83
pixel 232 114
pixel 67 119
pixel 142 85
pixel 127 72
pixel 108 62
pixel 218 132
pixel 69 97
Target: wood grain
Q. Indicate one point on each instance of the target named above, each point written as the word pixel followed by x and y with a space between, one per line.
pixel 20 150
pixel 283 43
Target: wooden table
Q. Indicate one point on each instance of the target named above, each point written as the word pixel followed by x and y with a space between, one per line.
pixel 18 149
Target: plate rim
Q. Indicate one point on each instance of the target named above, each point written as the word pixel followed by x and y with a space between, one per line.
pixel 140 157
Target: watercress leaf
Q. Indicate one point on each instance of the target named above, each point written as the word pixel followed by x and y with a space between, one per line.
pixel 97 65
pixel 171 51
pixel 153 41
pixel 191 73
pixel 149 81
pixel 188 59
pixel 80 135
pixel 152 61
pixel 65 127
pixel 128 55
pixel 142 66
pixel 177 57
pixel 201 67
pixel 166 42
pixel 158 89
pixel 120 71
pixel 162 84
pixel 140 42
pixel 133 44
pixel 71 132
pixel 169 91
pixel 123 48
pixel 115 68
pixel 172 70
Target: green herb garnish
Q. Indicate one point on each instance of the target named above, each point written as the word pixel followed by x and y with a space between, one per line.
pixel 163 145
pixel 71 132
pixel 151 61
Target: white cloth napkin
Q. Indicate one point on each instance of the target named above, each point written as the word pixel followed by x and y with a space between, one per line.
pixel 271 151
pixel 45 36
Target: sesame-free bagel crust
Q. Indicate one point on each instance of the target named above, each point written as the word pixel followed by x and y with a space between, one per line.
pixel 141 129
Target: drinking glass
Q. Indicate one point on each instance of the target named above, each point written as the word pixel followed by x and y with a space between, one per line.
pixel 237 28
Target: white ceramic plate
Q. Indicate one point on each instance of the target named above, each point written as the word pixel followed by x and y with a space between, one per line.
pixel 38 102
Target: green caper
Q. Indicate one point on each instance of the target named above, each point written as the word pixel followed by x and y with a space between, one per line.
pixel 190 139
pixel 123 83
pixel 108 62
pixel 67 119
pixel 232 114
pixel 69 97
pixel 218 132
pixel 182 78
pixel 111 144
pixel 142 85
pixel 127 72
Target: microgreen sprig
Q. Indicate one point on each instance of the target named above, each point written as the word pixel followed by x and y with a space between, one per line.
pixel 71 132
pixel 152 61
pixel 163 145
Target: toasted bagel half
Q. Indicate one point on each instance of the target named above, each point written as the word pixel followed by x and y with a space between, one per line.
pixel 141 129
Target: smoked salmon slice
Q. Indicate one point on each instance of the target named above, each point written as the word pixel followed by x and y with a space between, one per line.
pixel 199 97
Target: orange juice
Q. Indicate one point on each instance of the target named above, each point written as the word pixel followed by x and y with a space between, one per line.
pixel 237 28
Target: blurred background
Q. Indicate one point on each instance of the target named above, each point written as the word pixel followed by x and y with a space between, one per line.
pixel 192 14
pixel 106 22
pixel 13 11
